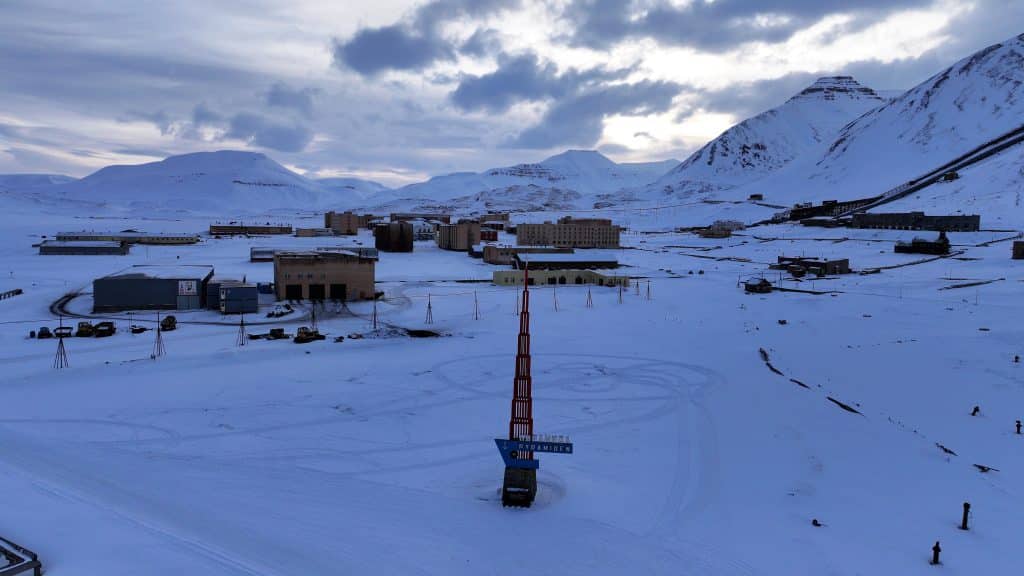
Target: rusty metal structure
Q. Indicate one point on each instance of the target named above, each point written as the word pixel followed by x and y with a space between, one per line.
pixel 520 483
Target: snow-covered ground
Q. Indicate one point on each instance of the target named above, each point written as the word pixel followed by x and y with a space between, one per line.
pixel 376 455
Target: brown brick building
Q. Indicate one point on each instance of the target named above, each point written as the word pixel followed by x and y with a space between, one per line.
pixel 346 223
pixel 393 236
pixel 316 275
pixel 570 232
pixel 461 236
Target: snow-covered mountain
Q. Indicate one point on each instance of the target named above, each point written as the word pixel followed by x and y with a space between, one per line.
pixel 224 182
pixel 358 188
pixel 572 178
pixel 762 145
pixel 954 111
pixel 29 182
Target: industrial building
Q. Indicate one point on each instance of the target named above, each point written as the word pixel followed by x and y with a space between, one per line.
pixel 1018 250
pixel 407 216
pixel 816 266
pixel 571 232
pixel 938 246
pixel 515 277
pixel 346 223
pixel 321 275
pixel 232 296
pixel 503 254
pixel 393 236
pixel 128 236
pixel 239 229
pixel 460 236
pixel 563 262
pixel 152 287
pixel 916 221
pixel 83 248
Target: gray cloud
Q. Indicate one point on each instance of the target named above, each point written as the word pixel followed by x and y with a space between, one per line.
pixel 268 133
pixel 301 100
pixel 416 42
pixel 579 120
pixel 713 26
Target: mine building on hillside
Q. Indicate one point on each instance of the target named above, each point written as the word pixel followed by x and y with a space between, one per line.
pixel 1018 249
pixel 152 287
pixel 407 216
pixel 580 261
pixel 503 254
pixel 797 265
pixel 916 221
pixel 346 223
pixel 241 229
pixel 129 237
pixel 393 236
pixel 460 236
pixel 322 275
pixel 83 248
pixel 551 277
pixel 938 246
pixel 570 232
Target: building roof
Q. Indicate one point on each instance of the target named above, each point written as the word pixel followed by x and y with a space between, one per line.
pixel 130 234
pixel 559 257
pixel 161 272
pixel 81 243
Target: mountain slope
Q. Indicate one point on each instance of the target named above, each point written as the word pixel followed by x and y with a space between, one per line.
pixel 572 178
pixel 225 182
pixel 28 182
pixel 357 188
pixel 764 144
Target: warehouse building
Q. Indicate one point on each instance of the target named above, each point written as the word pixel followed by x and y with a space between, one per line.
pixel 266 254
pixel 549 277
pixel 128 236
pixel 240 229
pixel 571 232
pixel 83 248
pixel 916 221
pixel 924 246
pixel 816 266
pixel 460 236
pixel 393 236
pixel 152 287
pixel 316 275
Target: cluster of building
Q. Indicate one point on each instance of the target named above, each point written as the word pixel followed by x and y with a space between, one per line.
pixel 87 243
pixel 798 266
pixel 900 221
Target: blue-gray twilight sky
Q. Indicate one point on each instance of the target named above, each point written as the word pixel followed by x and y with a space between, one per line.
pixel 395 90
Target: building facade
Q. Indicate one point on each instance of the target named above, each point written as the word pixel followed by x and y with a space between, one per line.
pixel 916 221
pixel 143 287
pixel 313 232
pixel 570 232
pixel 460 236
pixel 552 277
pixel 128 236
pixel 504 255
pixel 393 236
pixel 346 223
pixel 316 275
pixel 238 229
pixel 83 248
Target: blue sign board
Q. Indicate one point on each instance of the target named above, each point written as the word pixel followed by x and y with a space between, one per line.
pixel 507 447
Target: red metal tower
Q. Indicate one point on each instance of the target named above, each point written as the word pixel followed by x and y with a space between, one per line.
pixel 520 427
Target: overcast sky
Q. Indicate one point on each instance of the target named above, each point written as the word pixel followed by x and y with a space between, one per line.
pixel 396 90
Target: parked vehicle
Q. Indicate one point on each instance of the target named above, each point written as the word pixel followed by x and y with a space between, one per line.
pixel 44 333
pixel 136 329
pixel 62 332
pixel 168 323
pixel 85 330
pixel 104 329
pixel 304 335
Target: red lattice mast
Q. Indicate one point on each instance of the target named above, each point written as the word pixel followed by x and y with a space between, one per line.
pixel 521 425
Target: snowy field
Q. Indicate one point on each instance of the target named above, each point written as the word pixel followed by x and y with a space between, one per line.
pixel 375 456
